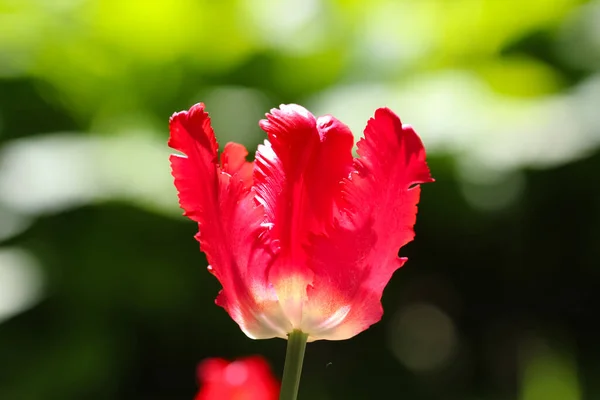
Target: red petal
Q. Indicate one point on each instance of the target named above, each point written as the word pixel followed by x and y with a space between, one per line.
pixel 230 223
pixel 296 179
pixel 356 259
pixel 391 163
pixel 196 177
pixel 233 161
pixel 330 167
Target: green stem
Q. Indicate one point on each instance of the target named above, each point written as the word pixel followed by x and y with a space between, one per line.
pixel 293 365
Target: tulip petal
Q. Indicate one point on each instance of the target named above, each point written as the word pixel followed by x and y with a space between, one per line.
pixel 296 175
pixel 196 172
pixel 233 162
pixel 231 229
pixel 357 258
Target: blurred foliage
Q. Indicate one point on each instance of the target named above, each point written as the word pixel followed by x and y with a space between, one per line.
pixel 103 292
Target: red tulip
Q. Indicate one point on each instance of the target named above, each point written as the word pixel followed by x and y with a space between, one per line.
pixel 306 237
pixel 244 379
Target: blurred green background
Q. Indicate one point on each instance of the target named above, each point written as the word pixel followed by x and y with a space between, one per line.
pixel 103 292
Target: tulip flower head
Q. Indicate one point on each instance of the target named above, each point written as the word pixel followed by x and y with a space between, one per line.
pixel 306 237
pixel 244 379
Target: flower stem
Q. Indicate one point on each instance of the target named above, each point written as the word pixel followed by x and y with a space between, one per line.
pixel 293 365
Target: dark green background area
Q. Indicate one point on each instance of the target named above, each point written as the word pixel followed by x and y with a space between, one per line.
pixel 128 306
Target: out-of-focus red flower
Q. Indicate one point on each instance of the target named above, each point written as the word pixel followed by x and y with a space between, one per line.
pixel 307 236
pixel 244 379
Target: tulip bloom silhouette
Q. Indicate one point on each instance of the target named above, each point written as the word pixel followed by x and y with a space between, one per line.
pixel 304 239
pixel 244 379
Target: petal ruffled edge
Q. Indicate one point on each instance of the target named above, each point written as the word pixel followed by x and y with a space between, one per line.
pixel 231 225
pixel 378 207
pixel 297 175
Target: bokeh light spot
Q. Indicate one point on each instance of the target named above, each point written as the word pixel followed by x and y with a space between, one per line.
pixel 423 337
